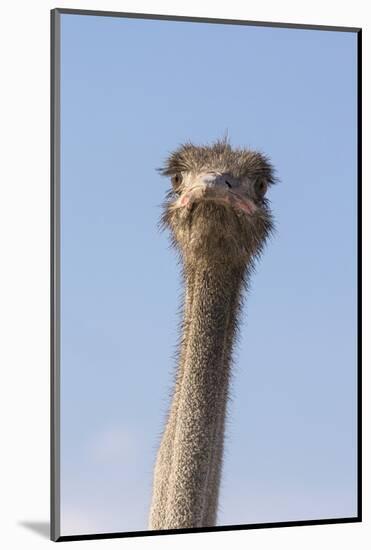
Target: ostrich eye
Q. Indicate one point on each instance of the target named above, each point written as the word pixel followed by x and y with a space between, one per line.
pixel 176 180
pixel 260 188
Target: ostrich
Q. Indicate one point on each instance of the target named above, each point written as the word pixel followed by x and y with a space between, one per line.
pixel 219 221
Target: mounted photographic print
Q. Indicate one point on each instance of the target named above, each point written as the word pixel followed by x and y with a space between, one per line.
pixel 205 285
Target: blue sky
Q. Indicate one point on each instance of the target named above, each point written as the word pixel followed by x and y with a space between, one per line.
pixel 132 91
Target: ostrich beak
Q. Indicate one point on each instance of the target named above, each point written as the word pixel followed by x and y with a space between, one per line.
pixel 216 187
pixel 218 181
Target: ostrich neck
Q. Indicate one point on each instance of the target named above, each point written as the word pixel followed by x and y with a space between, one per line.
pixel 201 391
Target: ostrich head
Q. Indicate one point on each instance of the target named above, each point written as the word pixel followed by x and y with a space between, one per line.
pixel 216 209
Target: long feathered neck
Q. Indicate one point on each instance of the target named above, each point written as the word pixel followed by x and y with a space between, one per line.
pixel 187 472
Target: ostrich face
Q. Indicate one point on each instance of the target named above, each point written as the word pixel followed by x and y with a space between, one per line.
pixel 216 209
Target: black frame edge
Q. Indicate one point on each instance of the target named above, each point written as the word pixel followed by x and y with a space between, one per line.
pixel 194 19
pixel 359 273
pixel 54 275
pixel 131 534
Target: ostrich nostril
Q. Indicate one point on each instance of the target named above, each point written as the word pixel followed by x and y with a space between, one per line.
pixel 229 185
